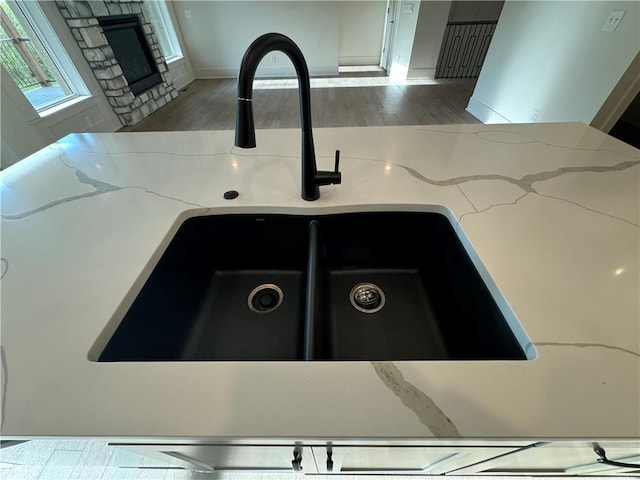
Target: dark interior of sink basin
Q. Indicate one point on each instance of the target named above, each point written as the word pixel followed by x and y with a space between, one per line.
pixel 194 306
pixel 436 304
pixel 294 288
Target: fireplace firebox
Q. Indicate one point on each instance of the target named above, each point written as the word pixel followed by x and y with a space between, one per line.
pixel 130 47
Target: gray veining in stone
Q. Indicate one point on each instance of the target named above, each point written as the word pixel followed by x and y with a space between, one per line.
pixel 529 180
pixel 493 136
pixel 586 345
pixel 589 209
pixel 100 188
pixel 507 138
pixel 4 267
pixel 417 401
pixel 501 204
pixel 517 138
pixel 103 187
pixel 514 202
pixel 5 383
pixel 511 138
pixel 525 182
pixel 47 206
pixel 152 152
pixel 467 199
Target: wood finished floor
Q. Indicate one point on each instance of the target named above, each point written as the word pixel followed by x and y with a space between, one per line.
pixel 210 105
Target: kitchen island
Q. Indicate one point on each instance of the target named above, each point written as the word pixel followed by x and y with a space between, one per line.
pixel 552 211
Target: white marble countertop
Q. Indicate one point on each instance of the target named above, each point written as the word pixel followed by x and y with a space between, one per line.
pixel 551 209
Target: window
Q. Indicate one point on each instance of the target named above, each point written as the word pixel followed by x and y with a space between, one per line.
pixel 160 18
pixel 34 57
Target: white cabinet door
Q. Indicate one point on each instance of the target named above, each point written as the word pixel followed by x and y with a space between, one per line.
pixel 562 458
pixel 404 459
pixel 214 458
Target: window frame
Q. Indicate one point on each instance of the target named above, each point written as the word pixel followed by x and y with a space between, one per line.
pixel 165 17
pixel 44 37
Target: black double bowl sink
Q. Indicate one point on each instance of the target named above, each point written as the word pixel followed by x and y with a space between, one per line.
pixel 339 287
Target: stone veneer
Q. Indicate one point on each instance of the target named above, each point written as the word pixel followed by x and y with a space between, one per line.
pixel 81 17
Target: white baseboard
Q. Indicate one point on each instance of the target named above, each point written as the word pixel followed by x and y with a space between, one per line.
pixel 275 72
pixel 421 73
pixel 484 113
pixel 215 72
pixel 358 61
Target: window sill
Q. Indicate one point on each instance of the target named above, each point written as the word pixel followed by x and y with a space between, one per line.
pixel 62 106
pixel 174 60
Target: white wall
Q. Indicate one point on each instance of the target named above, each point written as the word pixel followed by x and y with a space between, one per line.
pixel 360 29
pixel 218 33
pixel 23 131
pixel 551 56
pixel 19 139
pixel 430 27
pixel 475 11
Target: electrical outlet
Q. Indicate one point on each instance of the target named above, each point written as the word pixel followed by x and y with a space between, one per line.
pixel 187 14
pixel 612 22
pixel 408 7
pixel 88 121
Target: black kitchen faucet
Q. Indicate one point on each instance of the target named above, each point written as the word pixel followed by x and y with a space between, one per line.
pixel 245 128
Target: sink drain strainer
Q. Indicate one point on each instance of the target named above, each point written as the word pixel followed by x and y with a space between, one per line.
pixel 265 298
pixel 367 298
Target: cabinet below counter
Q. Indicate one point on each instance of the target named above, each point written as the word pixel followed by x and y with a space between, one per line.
pixel 462 458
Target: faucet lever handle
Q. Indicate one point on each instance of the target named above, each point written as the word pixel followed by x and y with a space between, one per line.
pixel 327 178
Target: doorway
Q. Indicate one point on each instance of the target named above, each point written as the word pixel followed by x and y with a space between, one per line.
pixel 627 128
pixel 386 57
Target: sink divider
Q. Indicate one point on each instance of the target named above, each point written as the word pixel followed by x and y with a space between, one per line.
pixel 310 302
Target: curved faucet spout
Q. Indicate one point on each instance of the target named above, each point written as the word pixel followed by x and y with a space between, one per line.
pixel 245 128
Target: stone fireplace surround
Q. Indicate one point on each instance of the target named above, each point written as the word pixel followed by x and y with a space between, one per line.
pixel 81 17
